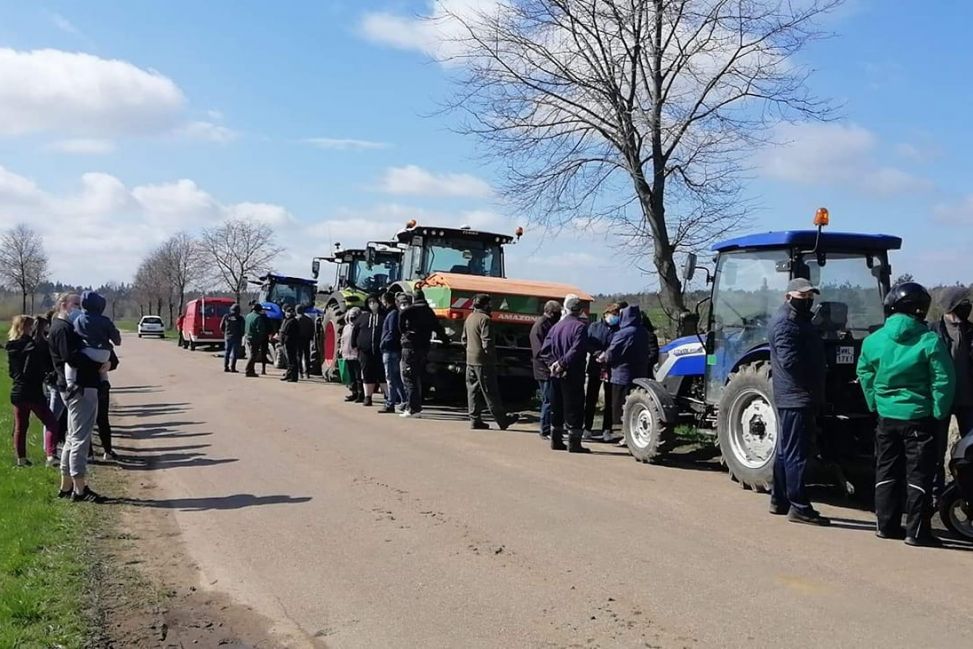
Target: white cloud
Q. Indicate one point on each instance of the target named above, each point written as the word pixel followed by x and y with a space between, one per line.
pixel 830 154
pixel 65 25
pixel 81 94
pixel 956 213
pixel 83 146
pixel 416 181
pixel 345 144
pixel 268 213
pixel 208 132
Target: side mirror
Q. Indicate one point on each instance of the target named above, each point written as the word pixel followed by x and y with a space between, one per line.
pixel 689 270
pixel 370 257
pixel 315 268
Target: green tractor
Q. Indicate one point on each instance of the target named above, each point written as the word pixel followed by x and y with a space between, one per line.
pixel 360 272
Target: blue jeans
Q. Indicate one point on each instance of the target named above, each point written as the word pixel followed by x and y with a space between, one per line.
pixel 795 429
pixel 231 354
pixel 546 414
pixel 393 376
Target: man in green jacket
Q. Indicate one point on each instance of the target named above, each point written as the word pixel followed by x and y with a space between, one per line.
pixel 907 377
pixel 482 389
pixel 256 329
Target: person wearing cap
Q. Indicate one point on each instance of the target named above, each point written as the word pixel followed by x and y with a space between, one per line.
pixel 482 388
pixel 232 326
pixel 256 330
pixel 906 375
pixel 956 332
pixel 290 340
pixel 564 352
pixel 542 372
pixel 798 371
pixel 599 337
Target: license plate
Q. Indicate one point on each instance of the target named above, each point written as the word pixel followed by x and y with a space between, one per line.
pixel 846 356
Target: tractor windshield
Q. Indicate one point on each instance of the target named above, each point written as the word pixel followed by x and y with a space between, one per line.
pixel 292 294
pixel 851 297
pixel 374 279
pixel 463 256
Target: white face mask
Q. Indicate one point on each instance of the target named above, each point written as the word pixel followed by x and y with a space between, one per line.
pixel 373 307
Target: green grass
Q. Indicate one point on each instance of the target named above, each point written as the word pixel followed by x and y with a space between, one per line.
pixel 44 549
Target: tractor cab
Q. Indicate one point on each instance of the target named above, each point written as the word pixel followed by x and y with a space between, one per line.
pixel 720 381
pixel 278 291
pixel 457 251
pixel 367 270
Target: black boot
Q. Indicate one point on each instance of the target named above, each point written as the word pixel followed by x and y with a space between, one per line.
pixel 557 441
pixel 574 443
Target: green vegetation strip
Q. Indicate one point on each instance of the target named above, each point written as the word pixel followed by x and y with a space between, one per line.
pixel 45 548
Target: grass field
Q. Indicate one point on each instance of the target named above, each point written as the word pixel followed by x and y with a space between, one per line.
pixel 44 549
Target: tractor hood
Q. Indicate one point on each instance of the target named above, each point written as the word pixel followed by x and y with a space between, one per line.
pixel 496 286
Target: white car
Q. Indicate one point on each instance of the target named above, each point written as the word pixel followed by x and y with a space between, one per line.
pixel 152 325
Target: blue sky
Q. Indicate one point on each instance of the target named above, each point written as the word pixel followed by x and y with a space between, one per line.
pixel 308 115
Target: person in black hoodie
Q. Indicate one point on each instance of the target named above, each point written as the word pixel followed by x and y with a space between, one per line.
pixel 29 363
pixel 305 325
pixel 82 404
pixel 367 339
pixel 290 338
pixel 417 323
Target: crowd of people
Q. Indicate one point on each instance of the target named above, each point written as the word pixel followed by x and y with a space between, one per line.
pixel 59 366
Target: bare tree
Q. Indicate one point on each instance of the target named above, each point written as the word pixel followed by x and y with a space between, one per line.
pixel 639 114
pixel 151 286
pixel 23 262
pixel 239 249
pixel 183 261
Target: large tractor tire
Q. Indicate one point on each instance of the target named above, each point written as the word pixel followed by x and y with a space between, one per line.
pixel 648 422
pixel 747 427
pixel 330 342
pixel 956 513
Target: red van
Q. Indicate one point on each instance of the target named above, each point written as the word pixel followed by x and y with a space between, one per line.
pixel 200 323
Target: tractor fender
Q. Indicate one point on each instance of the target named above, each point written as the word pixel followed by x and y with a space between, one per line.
pixel 759 353
pixel 665 401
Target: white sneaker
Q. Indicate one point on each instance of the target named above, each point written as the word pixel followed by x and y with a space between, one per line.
pixel 411 415
pixel 608 436
pixel 587 435
pixel 622 442
pixel 106 458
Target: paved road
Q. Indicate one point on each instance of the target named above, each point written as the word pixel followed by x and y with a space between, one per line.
pixel 366 531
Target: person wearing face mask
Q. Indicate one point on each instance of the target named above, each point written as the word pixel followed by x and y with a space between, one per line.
pixel 956 332
pixel 542 372
pixel 798 371
pixel 600 335
pixel 367 340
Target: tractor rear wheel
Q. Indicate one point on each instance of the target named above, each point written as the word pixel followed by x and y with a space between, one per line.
pixel 647 434
pixel 747 427
pixel 329 342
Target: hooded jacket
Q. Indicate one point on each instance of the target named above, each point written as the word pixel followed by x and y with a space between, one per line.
pixel 629 349
pixel 417 324
pixel 28 363
pixel 599 337
pixel 796 359
pixel 367 334
pixel 65 345
pixel 232 325
pixel 256 327
pixel 93 326
pixel 391 339
pixel 565 344
pixel 538 334
pixel 906 372
pixel 481 347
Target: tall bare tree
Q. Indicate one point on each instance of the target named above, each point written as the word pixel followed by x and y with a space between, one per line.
pixel 239 249
pixel 23 262
pixel 151 286
pixel 640 114
pixel 183 261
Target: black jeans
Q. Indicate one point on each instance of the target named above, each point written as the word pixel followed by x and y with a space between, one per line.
pixel 258 351
pixel 568 401
pixel 304 357
pixel 619 393
pixel 591 402
pixel 483 391
pixel 293 353
pixel 905 461
pixel 413 367
pixel 104 425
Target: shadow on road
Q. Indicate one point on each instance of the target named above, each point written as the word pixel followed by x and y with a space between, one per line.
pixel 214 503
pixel 136 389
pixel 156 461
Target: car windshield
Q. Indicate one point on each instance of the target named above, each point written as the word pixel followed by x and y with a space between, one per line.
pixel 376 278
pixel 851 298
pixel 463 256
pixel 292 294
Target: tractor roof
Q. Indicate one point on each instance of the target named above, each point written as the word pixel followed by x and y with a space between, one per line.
pixel 285 279
pixel 845 241
pixel 405 236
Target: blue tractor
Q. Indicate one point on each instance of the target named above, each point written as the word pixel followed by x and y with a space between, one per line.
pixel 719 382
pixel 278 291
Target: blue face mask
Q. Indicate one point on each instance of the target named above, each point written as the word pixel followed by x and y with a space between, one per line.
pixel 73 315
pixel 613 320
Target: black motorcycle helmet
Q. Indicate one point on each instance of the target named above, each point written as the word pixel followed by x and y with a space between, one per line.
pixel 908 298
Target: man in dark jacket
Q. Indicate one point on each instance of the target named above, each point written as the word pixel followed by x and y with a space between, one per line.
pixel 956 332
pixel 482 388
pixel 798 365
pixel 628 357
pixel 599 337
pixel 232 327
pixel 305 327
pixel 564 351
pixel 82 404
pixel 366 339
pixel 542 372
pixel 391 348
pixel 290 340
pixel 256 329
pixel 417 323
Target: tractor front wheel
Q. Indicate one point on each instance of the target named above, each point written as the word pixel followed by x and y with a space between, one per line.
pixel 645 429
pixel 747 426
